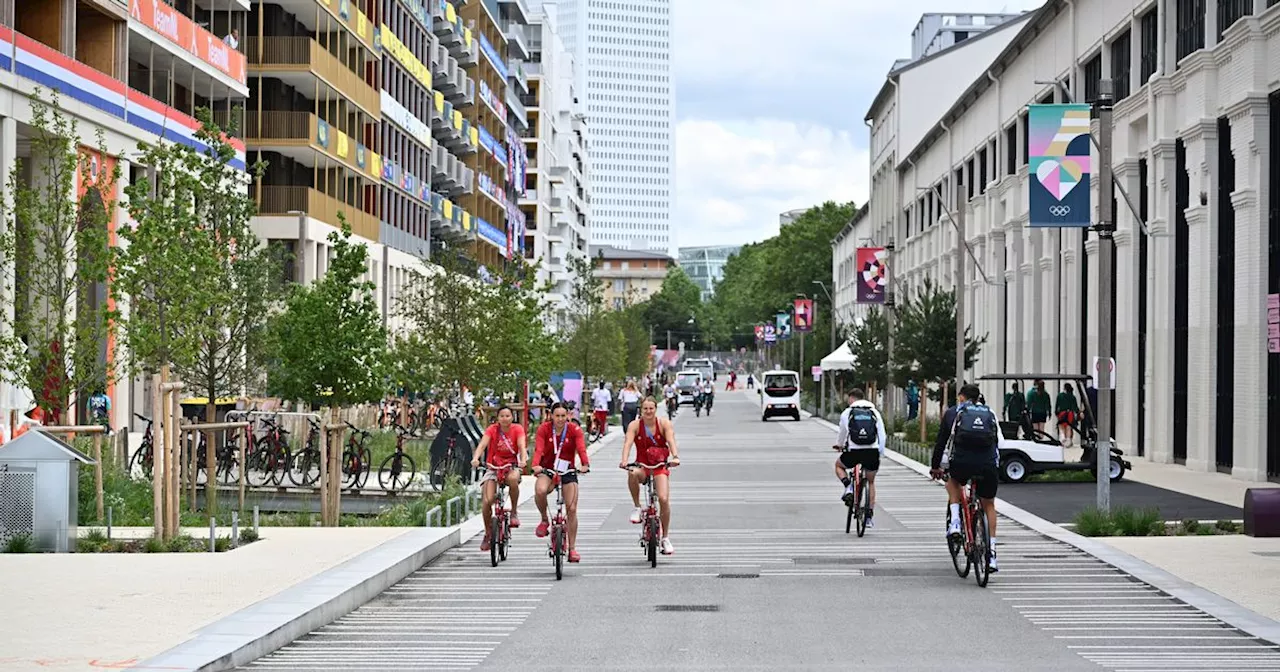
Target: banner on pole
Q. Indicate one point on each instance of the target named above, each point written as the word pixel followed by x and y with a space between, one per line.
pixel 759 333
pixel 770 334
pixel 1059 158
pixel 873 274
pixel 783 322
pixel 804 314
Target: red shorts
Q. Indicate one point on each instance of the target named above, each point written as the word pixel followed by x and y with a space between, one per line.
pixel 602 418
pixel 1066 417
pixel 660 471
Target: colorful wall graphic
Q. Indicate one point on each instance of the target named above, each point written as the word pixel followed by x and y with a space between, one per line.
pixel 1060 165
pixel 873 274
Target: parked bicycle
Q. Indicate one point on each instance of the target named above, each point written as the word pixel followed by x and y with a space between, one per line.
pixel 974 540
pixel 304 465
pixel 398 469
pixel 144 457
pixel 650 522
pixel 451 462
pixel 269 460
pixel 357 459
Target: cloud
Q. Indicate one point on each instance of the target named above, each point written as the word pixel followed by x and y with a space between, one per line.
pixel 734 179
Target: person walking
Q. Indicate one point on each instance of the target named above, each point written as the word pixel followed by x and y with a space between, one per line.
pixel 1014 405
pixel 630 398
pixel 913 400
pixel 1038 405
pixel 1068 410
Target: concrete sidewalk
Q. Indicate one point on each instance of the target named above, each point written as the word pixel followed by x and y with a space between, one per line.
pixel 1212 485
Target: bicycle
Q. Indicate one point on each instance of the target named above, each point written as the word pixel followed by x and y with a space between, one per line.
pixel 270 456
pixel 558 532
pixel 650 522
pixel 304 465
pixel 501 522
pixel 144 457
pixel 450 463
pixel 974 538
pixel 356 459
pixel 398 469
pixel 860 503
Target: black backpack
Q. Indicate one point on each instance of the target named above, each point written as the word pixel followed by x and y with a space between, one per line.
pixel 863 428
pixel 976 428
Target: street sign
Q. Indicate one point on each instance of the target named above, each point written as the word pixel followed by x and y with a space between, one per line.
pixel 817 372
pixel 1111 374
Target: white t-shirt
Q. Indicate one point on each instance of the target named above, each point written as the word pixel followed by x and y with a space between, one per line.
pixel 600 399
pixel 629 397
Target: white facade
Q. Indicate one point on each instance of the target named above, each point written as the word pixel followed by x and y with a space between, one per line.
pixel 1193 148
pixel 624 50
pixel 844 270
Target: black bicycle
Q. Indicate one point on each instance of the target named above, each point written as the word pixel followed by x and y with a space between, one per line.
pixel 398 469
pixel 269 460
pixel 144 457
pixel 304 465
pixel 357 459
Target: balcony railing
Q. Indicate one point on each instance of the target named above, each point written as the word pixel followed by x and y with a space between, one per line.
pixel 281 200
pixel 303 129
pixel 280 126
pixel 517 107
pixel 305 54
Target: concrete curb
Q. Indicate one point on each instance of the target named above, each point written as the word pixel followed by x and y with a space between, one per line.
pixel 1235 615
pixel 270 624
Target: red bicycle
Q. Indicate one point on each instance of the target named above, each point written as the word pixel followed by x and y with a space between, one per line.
pixel 860 503
pixel 650 522
pixel 974 540
pixel 500 525
pixel 558 534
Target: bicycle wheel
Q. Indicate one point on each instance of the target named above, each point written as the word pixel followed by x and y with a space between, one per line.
pixel 396 473
pixel 141 460
pixel 848 520
pixel 304 467
pixel 981 549
pixel 258 471
pixel 366 464
pixel 652 549
pixel 955 544
pixel 557 550
pixel 229 465
pixel 505 538
pixel 440 472
pixel 495 539
pixel 281 458
pixel 864 505
pixel 350 468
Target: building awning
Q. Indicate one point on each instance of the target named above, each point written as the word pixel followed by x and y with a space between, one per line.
pixel 840 360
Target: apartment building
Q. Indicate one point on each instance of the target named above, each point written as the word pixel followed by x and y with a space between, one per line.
pixel 132 71
pixel 630 276
pixel 1197 86
pixel 623 50
pixel 556 201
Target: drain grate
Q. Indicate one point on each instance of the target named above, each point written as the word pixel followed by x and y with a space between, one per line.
pixel 738 576
pixel 687 607
pixel 821 560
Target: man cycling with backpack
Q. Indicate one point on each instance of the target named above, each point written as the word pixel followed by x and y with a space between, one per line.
pixel 862 441
pixel 973 433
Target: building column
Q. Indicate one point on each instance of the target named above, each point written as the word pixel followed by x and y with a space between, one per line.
pixel 1091 329
pixel 1250 141
pixel 1050 300
pixel 1071 311
pixel 1202 300
pixel 1162 178
pixel 1031 282
pixel 1014 280
pixel 1126 352
pixel 997 340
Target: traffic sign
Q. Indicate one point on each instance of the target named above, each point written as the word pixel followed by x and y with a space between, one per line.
pixel 1111 374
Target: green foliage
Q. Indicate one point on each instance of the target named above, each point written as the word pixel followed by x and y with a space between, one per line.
pixel 248 535
pixel 635 331
pixel 61 255
pixel 925 337
pixel 329 344
pixel 870 340
pixel 1092 522
pixel 1122 521
pixel 153 545
pixel 1191 526
pixel 129 498
pixel 23 543
pixel 222 544
pixel 671 308
pixel 596 346
pixel 1227 526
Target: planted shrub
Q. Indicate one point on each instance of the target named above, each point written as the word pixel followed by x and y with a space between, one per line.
pixel 1093 523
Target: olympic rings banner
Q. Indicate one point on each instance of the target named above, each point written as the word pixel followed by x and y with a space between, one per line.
pixel 1060 165
pixel 872 274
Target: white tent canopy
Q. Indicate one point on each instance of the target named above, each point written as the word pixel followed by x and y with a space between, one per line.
pixel 840 360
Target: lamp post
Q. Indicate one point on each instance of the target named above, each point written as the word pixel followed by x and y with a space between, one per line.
pixel 804 296
pixel 832 346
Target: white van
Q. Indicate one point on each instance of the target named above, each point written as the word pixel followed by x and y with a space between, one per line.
pixel 780 394
pixel 687 385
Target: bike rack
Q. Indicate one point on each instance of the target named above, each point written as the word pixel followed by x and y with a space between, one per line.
pixel 434 514
pixel 448 507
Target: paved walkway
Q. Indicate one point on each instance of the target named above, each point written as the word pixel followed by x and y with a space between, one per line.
pixel 1212 486
pixel 95 611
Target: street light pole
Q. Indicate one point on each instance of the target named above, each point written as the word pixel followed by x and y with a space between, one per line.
pixel 826 380
pixel 960 251
pixel 1106 278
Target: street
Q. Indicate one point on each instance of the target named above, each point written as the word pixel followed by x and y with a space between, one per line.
pixel 764 578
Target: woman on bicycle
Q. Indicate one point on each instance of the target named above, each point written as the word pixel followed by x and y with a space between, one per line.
pixel 559 444
pixel 655 442
pixel 507 448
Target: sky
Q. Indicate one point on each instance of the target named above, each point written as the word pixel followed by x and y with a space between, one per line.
pixel 770 104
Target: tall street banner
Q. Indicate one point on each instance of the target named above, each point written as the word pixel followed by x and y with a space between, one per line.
pixel 759 333
pixel 873 274
pixel 1060 165
pixel 804 314
pixel 783 321
pixel 770 335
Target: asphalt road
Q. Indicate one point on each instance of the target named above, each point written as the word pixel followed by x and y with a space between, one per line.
pixel 1060 502
pixel 764 578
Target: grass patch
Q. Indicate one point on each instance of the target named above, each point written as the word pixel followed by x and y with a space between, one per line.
pixel 1127 521
pixel 1092 522
pixel 1133 522
pixel 1062 476
pixel 22 543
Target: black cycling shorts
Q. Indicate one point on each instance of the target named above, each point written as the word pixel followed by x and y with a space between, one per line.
pixel 869 458
pixel 986 473
pixel 565 479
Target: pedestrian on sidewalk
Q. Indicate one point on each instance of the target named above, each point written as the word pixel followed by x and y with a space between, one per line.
pixel 1067 410
pixel 1038 405
pixel 913 400
pixel 1014 405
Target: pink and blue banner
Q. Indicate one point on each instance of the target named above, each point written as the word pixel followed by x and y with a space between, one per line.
pixel 1060 164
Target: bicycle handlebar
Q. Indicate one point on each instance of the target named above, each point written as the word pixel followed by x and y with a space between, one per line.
pixel 649 466
pixel 142 418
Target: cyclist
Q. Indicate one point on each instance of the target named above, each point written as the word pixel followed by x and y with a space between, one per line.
pixel 708 394
pixel 655 442
pixel 559 443
pixel 673 400
pixel 507 447
pixel 973 433
pixel 862 441
pixel 601 399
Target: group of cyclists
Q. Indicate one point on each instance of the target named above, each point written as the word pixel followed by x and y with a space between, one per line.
pixel 560 453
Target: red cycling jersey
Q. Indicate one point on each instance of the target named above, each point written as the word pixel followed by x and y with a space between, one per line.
pixel 651 446
pixel 567 444
pixel 503 446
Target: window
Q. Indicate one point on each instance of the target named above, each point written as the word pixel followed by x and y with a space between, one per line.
pixel 619 285
pixel 1093 78
pixel 961 36
pixel 1120 65
pixel 1149 35
pixel 1026 138
pixel 1011 149
pixel 982 172
pixel 1190 27
pixel 971 175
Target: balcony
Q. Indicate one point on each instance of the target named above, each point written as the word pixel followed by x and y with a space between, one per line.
pixel 294 60
pixel 296 134
pixel 529 100
pixel 517 43
pixel 281 200
pixel 555 204
pixel 442 74
pixel 558 174
pixel 517 108
pixel 160 23
pixel 518 8
pixel 467 55
pixel 446 24
pixel 515 73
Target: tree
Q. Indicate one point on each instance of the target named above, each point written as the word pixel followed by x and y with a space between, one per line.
pixel 595 345
pixel 519 346
pixel 55 344
pixel 870 340
pixel 671 308
pixel 443 307
pixel 926 335
pixel 636 334
pixel 329 344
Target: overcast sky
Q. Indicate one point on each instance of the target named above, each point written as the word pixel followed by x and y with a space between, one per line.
pixel 770 104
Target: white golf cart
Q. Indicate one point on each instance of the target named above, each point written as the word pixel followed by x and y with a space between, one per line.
pixel 1025 451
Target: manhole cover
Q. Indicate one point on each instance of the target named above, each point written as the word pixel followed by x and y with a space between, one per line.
pixel 819 560
pixel 687 607
pixel 738 576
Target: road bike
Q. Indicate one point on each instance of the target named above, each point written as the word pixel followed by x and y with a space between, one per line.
pixel 650 522
pixel 501 521
pixel 398 469
pixel 974 540
pixel 304 465
pixel 860 503
pixel 558 532
pixel 144 457
pixel 356 459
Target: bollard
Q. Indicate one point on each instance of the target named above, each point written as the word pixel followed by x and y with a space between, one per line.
pixel 433 514
pixel 255 520
pixel 108 523
pixel 213 534
pixel 235 529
